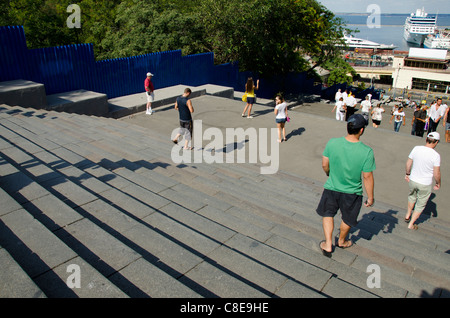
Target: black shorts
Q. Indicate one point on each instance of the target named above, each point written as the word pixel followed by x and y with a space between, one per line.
pixel 349 204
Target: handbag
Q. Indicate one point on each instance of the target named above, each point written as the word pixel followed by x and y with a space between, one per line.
pixel 244 97
pixel 288 119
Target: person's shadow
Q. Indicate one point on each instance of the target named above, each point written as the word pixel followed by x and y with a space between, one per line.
pixel 429 211
pixel 295 132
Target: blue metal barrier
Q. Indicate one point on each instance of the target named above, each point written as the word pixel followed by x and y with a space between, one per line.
pixel 73 67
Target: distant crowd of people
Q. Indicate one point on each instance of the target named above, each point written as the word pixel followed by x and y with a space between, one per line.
pixel 426 117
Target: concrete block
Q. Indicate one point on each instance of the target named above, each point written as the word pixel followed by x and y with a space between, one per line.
pixel 126 105
pixel 80 102
pixel 23 93
pixel 218 90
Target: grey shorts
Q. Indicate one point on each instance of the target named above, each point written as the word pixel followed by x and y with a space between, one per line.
pixel 186 129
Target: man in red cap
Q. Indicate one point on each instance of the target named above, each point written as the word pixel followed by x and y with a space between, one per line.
pixel 149 88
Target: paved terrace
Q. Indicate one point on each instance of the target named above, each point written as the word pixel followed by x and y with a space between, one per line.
pixel 105 195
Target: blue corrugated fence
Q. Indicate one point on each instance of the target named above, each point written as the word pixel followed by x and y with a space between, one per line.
pixel 73 67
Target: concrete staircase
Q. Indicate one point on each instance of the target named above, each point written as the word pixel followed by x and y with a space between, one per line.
pixel 101 198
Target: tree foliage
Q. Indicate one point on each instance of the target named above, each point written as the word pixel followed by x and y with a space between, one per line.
pixel 266 36
pixel 340 71
pixel 143 27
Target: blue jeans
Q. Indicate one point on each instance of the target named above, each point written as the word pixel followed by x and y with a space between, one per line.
pixel 397 125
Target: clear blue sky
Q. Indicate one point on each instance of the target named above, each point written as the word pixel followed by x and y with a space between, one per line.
pixel 388 6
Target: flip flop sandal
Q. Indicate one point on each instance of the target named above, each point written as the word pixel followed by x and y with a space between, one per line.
pixel 415 227
pixel 325 253
pixel 348 246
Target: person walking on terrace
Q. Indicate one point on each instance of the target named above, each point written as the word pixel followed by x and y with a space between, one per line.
pixel 419 120
pixel 399 117
pixel 437 111
pixel 350 104
pixel 377 115
pixel 446 124
pixel 281 115
pixel 340 109
pixel 185 109
pixel 422 166
pixel 344 160
pixel 250 89
pixel 149 91
pixel 366 106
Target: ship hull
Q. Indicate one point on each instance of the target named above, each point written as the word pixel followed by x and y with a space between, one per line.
pixel 414 38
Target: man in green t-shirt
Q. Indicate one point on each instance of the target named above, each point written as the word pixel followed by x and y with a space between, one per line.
pixel 344 160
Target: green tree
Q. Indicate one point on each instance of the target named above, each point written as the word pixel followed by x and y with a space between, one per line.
pixel 270 37
pixel 340 71
pixel 44 21
pixel 142 27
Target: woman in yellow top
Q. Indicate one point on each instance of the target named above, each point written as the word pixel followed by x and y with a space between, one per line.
pixel 250 91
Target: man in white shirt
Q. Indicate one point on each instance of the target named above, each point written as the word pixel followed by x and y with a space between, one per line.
pixel 437 111
pixel 350 103
pixel 366 106
pixel 422 166
pixel 338 95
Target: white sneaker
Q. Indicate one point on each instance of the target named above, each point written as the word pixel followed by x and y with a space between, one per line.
pixel 249 116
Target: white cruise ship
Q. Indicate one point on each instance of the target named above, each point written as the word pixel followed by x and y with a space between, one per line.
pixel 440 40
pixel 418 26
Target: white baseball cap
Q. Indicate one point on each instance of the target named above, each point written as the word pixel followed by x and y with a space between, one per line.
pixel 149 74
pixel 434 135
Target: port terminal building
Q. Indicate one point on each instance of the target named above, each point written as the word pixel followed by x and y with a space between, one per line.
pixel 422 69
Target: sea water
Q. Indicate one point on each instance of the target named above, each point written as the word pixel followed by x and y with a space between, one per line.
pixel 391 27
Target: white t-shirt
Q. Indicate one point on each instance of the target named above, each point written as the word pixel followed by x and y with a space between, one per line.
pixel 350 101
pixel 377 113
pixel 424 160
pixel 281 114
pixel 398 116
pixel 340 106
pixel 337 96
pixel 365 106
